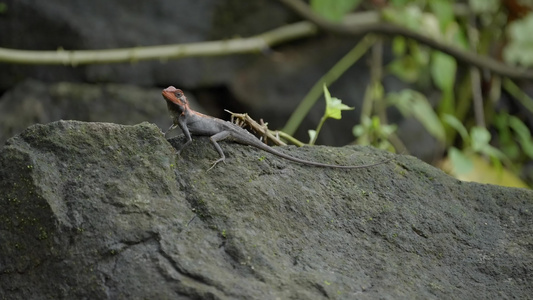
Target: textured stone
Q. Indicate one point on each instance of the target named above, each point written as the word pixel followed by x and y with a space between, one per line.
pixel 106 211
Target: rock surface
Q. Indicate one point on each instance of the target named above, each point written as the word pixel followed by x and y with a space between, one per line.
pixel 106 211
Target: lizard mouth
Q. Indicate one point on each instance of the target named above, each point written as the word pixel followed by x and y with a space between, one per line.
pixel 168 93
pixel 174 96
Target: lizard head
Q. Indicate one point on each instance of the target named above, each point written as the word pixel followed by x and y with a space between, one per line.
pixel 176 100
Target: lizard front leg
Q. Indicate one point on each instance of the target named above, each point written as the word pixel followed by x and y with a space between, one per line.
pixel 214 140
pixel 169 129
pixel 183 125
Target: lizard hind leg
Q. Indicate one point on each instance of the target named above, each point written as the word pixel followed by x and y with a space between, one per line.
pixel 214 140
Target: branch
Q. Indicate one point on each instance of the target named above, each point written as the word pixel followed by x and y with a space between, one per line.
pixel 474 59
pixel 252 44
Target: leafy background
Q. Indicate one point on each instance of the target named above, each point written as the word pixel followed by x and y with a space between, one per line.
pixel 485 142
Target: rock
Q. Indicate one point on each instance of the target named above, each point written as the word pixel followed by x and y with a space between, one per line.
pixel 107 211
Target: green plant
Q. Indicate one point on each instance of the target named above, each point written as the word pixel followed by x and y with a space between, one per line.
pixel 372 132
pixel 334 10
pixel 475 141
pixel 334 107
pixel 414 104
pixel 475 27
pixel 514 137
pixel 520 47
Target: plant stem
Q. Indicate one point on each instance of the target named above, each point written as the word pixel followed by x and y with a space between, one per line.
pixel 318 128
pixel 516 92
pixel 331 76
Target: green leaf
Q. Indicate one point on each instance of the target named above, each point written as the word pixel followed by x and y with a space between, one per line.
pixel 400 3
pixel 399 46
pixel 519 127
pixel 480 143
pixel 443 9
pixel 412 103
pixel 447 103
pixel 461 163
pixel 493 173
pixel 519 50
pixel 334 106
pixel 333 110
pixel 372 132
pixel 387 130
pixel 505 136
pixel 457 125
pixel 362 131
pixel 495 154
pixel 456 35
pixel 524 135
pixel 484 6
pixel 443 68
pixel 429 24
pixel 405 68
pixel 420 54
pixel 358 130
pixel 334 10
pixel 480 138
pixel 409 16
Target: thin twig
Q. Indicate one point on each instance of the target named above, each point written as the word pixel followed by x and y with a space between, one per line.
pixel 475 76
pixel 254 44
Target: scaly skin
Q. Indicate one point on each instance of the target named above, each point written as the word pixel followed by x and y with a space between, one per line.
pixel 197 124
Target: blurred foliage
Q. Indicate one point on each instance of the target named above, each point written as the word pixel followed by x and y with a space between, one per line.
pixel 475 141
pixel 481 140
pixel 3 7
pixel 520 47
pixel 479 170
pixel 414 104
pixel 514 137
pixel 372 131
pixel 334 10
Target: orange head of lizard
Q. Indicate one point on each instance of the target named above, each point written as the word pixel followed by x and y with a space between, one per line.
pixel 176 100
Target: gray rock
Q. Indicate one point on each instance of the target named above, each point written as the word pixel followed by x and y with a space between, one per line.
pixel 106 211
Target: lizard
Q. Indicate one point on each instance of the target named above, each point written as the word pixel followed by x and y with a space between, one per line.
pixel 193 123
